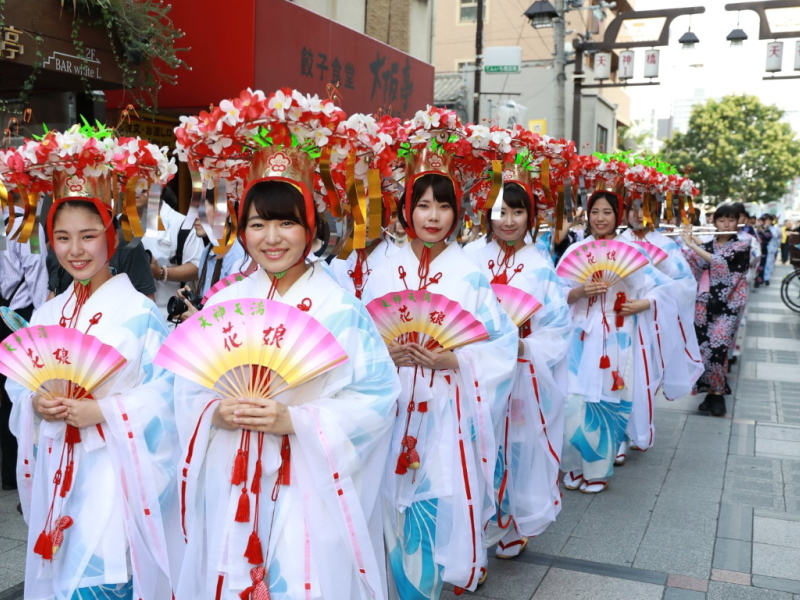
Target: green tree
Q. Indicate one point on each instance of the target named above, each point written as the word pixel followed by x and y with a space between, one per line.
pixel 737 148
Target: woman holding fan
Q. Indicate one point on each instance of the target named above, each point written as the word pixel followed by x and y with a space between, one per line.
pixel 720 266
pixel 279 483
pixel 612 348
pixel 531 433
pixel 96 464
pixel 437 489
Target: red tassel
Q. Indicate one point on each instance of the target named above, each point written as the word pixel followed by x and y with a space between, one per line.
pixel 254 554
pixel 66 483
pixel 255 486
pixel 286 460
pixel 619 382
pixel 259 589
pixel 605 362
pixel 423 407
pixel 402 464
pixel 239 475
pixel 47 553
pixel 243 509
pixel 72 435
pixel 42 542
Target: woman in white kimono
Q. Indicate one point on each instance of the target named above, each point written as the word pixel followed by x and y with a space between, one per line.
pixel 450 400
pixel 607 368
pixel 354 272
pixel 312 525
pixel 678 351
pixel 97 476
pixel 531 433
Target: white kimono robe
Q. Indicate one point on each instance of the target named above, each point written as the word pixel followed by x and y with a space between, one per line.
pixel 435 515
pixel 326 540
pixel 680 353
pixel 596 415
pixel 342 269
pixel 531 433
pixel 123 499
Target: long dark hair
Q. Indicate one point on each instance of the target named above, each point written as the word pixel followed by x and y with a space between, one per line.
pixel 443 191
pixel 611 198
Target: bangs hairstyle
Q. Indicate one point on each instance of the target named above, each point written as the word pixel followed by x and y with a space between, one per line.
pixel 726 210
pixel 611 198
pixel 741 211
pixel 443 191
pixel 84 205
pixel 515 196
pixel 275 201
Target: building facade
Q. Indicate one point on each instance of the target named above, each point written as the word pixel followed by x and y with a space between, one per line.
pixel 534 86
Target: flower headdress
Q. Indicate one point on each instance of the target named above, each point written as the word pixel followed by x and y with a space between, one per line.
pixel 370 150
pixel 286 136
pixel 433 143
pixel 87 163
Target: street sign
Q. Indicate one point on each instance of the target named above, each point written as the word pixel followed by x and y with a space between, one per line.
pixel 502 59
pixel 501 69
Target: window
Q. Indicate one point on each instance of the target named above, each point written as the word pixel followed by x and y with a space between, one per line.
pixel 468 10
pixel 602 139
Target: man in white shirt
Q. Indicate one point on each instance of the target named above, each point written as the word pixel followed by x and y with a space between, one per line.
pixel 23 288
pixel 175 254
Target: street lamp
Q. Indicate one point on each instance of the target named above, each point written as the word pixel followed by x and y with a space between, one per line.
pixel 688 40
pixel 760 7
pixel 541 14
pixel 737 37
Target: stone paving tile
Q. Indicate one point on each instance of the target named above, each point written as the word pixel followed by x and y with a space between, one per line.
pixel 687 583
pixel 678 594
pixel 774 583
pixel 735 522
pixel 730 576
pixel 787 434
pixel 14 559
pixel 742 445
pixel 732 555
pixel 609 550
pixel 510 579
pixel 696 492
pixel 686 477
pixel 746 484
pixel 790 450
pixel 548 542
pixel 729 591
pixel 776 561
pixel 683 521
pixel 753 499
pixel 777 532
pixel 560 584
pixel 707 509
pixel 683 560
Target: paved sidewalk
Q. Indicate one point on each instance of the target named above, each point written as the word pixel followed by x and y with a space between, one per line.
pixel 711 512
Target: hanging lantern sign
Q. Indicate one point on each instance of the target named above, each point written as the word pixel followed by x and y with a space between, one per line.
pixel 602 65
pixel 797 56
pixel 625 65
pixel 774 56
pixel 651 63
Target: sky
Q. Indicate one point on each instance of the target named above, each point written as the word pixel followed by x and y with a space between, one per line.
pixel 713 65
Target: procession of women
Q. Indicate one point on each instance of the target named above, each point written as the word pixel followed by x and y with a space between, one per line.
pixel 418 354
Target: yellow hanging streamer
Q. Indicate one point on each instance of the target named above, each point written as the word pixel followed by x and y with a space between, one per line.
pixel 559 213
pixel 375 204
pixel 131 214
pixel 497 184
pixel 332 198
pixel 545 177
pixel 230 233
pixel 29 220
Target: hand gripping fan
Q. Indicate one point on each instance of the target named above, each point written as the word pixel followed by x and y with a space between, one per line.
pixel 606 261
pixel 656 254
pixel 250 348
pixel 222 284
pixel 58 362
pixel 426 318
pixel 519 305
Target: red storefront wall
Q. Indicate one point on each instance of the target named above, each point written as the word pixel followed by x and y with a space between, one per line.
pixel 269 44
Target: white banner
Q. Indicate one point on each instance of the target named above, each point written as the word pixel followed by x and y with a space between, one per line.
pixel 774 56
pixel 651 63
pixel 602 65
pixel 625 65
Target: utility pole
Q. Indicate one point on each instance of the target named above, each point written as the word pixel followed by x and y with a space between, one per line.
pixel 476 97
pixel 559 27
